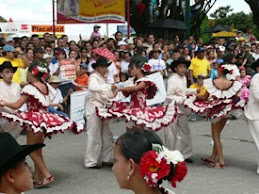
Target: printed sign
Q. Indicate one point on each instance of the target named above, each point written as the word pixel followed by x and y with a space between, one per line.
pixel 47 28
pixel 67 70
pixel 77 106
pixel 90 11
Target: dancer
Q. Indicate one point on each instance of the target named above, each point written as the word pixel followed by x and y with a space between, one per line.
pixel 15 173
pixel 142 163
pixel 136 112
pixel 252 107
pixel 221 98
pixel 177 91
pixel 37 121
pixel 99 137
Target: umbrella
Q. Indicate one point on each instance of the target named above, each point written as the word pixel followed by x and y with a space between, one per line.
pixel 169 24
pixel 104 52
pixel 219 28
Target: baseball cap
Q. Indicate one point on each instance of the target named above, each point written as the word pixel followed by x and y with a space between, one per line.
pixel 39 49
pixel 97 26
pixel 222 48
pixel 120 43
pixel 45 56
pixel 219 61
pixel 9 39
pixel 8 48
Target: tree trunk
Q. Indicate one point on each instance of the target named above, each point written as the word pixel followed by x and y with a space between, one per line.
pixel 254 5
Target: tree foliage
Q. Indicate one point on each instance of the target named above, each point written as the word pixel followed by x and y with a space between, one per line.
pixel 239 20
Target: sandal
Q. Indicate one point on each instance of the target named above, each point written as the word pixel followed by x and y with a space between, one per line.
pixel 216 165
pixel 44 182
pixel 207 161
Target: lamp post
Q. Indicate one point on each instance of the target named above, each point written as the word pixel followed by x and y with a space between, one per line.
pixel 187 17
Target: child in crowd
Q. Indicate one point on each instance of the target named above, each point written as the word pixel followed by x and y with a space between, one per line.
pixel 96 33
pixel 81 81
pixel 37 121
pixel 177 91
pixel 142 163
pixel 99 137
pixel 56 105
pixel 15 173
pixel 136 112
pixel 201 91
pixel 10 91
pixel 245 80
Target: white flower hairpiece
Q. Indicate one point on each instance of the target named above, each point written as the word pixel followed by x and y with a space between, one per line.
pixel 228 67
pixel 42 69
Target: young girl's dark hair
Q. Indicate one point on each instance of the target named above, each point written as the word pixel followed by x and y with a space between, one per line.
pixel 123 74
pixel 139 64
pixel 134 144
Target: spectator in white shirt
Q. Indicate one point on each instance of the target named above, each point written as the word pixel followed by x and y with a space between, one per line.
pixel 156 63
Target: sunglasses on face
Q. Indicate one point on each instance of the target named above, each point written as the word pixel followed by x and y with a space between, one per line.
pixel 201 77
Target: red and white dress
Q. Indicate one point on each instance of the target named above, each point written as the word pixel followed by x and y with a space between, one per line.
pixel 136 112
pixel 220 102
pixel 37 118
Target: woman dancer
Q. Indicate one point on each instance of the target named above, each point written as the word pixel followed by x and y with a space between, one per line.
pixel 142 163
pixel 221 98
pixel 38 122
pixel 137 114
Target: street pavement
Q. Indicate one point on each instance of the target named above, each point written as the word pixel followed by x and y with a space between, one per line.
pixel 64 156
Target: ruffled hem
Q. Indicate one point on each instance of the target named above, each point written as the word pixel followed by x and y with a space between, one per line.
pixel 169 115
pixel 215 109
pixel 222 94
pixel 43 126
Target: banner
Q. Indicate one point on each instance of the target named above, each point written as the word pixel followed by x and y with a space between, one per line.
pixel 11 27
pixel 160 96
pixel 90 11
pixel 35 28
pixel 77 106
pixel 67 70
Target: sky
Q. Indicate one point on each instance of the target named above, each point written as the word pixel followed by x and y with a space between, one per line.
pixel 40 11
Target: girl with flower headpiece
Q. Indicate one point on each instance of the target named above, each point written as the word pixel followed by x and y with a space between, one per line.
pixel 37 121
pixel 221 99
pixel 136 112
pixel 142 163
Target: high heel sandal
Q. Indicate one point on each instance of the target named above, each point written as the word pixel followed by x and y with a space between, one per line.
pixel 207 160
pixel 216 165
pixel 44 182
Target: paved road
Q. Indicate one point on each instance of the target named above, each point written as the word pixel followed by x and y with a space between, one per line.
pixel 65 152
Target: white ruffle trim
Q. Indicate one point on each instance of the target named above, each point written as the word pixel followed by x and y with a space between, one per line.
pixel 212 90
pixel 157 124
pixel 45 100
pixel 48 130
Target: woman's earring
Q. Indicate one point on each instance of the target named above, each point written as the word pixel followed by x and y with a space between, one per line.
pixel 128 177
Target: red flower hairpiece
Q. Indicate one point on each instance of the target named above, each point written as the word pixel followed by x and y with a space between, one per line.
pixel 231 71
pixel 151 169
pixel 221 68
pixel 155 166
pixel 146 67
pixel 35 71
pixel 45 75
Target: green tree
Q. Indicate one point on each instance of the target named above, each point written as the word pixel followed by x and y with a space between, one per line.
pixel 221 12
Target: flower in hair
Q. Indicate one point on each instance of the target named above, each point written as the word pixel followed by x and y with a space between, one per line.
pixel 162 164
pixel 35 71
pixel 146 67
pixel 153 169
pixel 45 75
